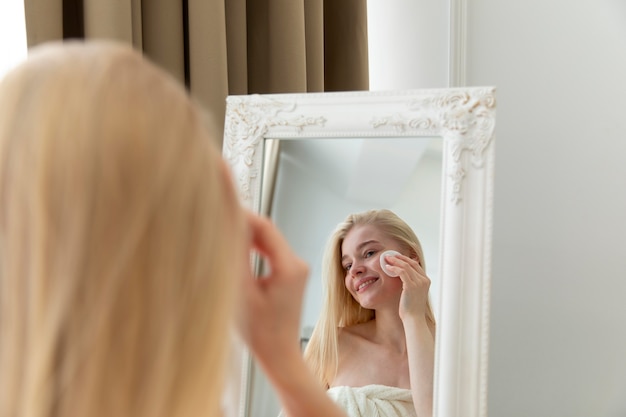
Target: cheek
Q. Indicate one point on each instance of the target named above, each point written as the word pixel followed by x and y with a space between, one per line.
pixel 347 283
pixel 374 264
pixel 395 283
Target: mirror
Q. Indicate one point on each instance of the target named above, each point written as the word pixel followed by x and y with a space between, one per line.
pixel 264 134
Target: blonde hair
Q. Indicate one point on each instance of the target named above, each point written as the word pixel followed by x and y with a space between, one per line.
pixel 116 292
pixel 339 308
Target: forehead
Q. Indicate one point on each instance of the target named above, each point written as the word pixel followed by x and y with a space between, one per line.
pixel 363 233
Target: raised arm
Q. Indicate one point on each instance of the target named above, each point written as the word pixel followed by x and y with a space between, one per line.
pixel 420 341
pixel 421 352
pixel 271 323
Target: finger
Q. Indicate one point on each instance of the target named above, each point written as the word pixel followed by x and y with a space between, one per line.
pixel 399 263
pixel 409 271
pixel 267 240
pixel 408 262
pixel 263 234
pixel 271 243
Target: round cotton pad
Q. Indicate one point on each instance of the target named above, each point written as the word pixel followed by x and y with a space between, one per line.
pixel 383 264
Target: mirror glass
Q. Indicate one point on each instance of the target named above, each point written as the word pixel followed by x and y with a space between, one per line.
pixel 317 183
pixel 309 160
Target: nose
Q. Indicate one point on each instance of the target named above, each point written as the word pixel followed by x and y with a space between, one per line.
pixel 357 269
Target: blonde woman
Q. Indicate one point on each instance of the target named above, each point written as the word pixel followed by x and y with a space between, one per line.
pixel 124 254
pixel 373 346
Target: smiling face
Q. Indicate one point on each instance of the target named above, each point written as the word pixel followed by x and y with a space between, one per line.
pixel 364 277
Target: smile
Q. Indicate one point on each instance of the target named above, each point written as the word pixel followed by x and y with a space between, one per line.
pixel 365 284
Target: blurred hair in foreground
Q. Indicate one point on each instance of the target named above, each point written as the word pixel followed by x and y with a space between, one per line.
pixel 116 218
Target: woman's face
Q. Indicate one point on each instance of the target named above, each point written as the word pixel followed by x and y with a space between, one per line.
pixel 364 277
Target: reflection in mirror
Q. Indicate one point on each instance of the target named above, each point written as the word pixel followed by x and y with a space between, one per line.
pixel 320 182
pixel 314 184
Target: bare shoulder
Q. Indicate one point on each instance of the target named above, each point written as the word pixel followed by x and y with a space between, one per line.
pixel 352 350
pixel 354 338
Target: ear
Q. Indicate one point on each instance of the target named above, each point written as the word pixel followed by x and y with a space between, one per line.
pixel 413 255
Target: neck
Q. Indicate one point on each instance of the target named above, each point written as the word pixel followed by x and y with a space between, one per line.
pixel 389 329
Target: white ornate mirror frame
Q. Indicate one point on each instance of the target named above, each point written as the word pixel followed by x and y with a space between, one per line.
pixel 465 119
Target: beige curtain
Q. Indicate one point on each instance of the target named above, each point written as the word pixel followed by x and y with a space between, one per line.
pixel 222 47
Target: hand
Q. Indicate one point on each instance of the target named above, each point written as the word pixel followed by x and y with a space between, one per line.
pixel 415 286
pixel 273 303
pixel 271 323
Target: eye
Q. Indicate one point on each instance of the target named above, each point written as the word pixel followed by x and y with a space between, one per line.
pixel 369 253
pixel 347 267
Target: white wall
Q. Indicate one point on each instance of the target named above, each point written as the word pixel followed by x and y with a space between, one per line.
pixel 407 44
pixel 12 34
pixel 558 322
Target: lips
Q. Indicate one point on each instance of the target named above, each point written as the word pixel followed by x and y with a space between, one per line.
pixel 363 283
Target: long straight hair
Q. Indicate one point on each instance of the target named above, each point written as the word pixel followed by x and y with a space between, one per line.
pixel 116 222
pixel 339 308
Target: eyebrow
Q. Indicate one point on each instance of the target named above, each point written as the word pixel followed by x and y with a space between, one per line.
pixel 360 246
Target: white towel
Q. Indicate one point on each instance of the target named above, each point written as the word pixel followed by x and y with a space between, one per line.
pixel 374 401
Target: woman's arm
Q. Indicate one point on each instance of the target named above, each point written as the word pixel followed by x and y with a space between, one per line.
pixel 421 353
pixel 420 341
pixel 300 394
pixel 271 324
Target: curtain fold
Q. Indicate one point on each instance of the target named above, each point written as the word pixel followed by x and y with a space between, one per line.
pixel 163 35
pixel 237 46
pixel 276 46
pixel 209 68
pixel 221 47
pixel 112 20
pixel 345 45
pixel 314 35
pixel 44 20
